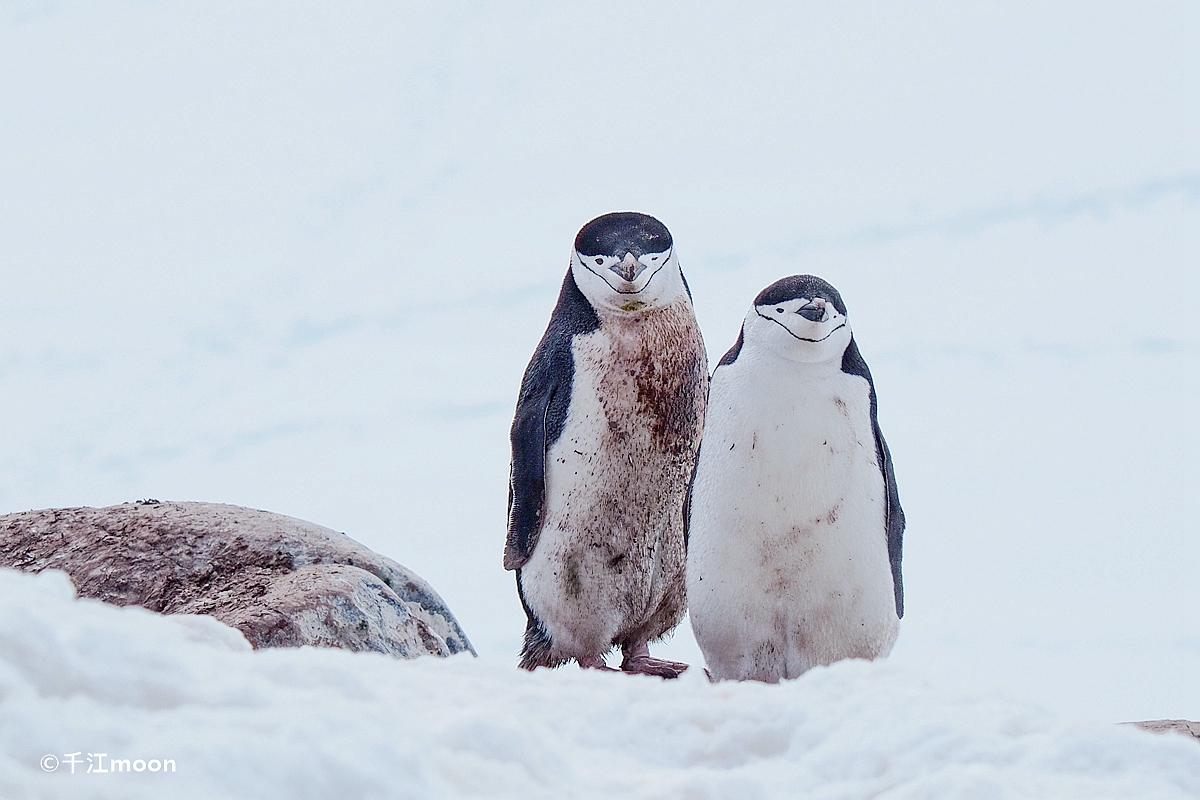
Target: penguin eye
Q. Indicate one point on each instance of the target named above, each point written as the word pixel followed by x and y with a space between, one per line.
pixel 654 258
pixel 599 260
pixel 779 311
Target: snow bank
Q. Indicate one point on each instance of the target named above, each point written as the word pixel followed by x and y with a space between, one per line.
pixel 78 676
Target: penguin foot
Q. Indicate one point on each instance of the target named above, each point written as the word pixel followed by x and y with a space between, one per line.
pixel 648 665
pixel 639 662
pixel 595 662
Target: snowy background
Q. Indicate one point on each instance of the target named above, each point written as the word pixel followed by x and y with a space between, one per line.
pixel 296 257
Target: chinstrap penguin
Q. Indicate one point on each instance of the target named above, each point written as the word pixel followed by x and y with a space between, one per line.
pixel 795 523
pixel 604 441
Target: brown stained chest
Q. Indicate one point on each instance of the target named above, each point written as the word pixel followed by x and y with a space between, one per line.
pixel 652 375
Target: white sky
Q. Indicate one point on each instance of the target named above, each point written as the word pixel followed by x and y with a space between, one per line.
pixel 296 257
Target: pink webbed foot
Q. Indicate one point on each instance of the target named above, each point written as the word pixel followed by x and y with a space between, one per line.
pixel 638 661
pixel 594 662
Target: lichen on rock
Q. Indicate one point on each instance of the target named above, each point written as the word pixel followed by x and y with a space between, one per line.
pixel 281 581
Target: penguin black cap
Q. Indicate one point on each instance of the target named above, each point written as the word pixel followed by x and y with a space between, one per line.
pixel 796 286
pixel 623 232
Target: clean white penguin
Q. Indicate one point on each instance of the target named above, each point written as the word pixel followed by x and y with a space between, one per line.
pixel 604 441
pixel 795 523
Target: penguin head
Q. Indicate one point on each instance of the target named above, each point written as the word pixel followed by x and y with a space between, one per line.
pixel 626 261
pixel 801 318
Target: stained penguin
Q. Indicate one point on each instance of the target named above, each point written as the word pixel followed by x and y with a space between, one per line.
pixel 795 522
pixel 604 441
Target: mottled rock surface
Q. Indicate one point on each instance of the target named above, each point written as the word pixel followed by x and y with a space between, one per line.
pixel 279 580
pixel 1186 727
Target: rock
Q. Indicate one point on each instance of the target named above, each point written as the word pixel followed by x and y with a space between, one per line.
pixel 279 580
pixel 1186 727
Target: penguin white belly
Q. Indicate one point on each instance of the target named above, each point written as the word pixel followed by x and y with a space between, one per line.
pixel 787 564
pixel 610 556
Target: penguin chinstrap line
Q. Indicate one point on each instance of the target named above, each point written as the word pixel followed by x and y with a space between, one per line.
pixel 795 524
pixel 604 442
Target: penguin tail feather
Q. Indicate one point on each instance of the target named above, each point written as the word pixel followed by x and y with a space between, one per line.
pixel 537 648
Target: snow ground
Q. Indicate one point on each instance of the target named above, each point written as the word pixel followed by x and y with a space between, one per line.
pixel 82 677
pixel 296 258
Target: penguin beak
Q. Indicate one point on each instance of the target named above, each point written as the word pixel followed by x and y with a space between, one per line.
pixel 629 268
pixel 814 310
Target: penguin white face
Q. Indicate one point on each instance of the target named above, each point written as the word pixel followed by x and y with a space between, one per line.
pixel 801 318
pixel 626 262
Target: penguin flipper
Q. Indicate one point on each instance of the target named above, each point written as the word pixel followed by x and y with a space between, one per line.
pixel 854 364
pixel 527 475
pixel 687 498
pixel 687 505
pixel 894 520
pixel 541 414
